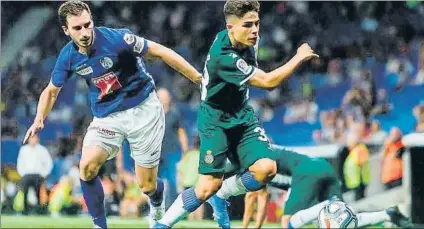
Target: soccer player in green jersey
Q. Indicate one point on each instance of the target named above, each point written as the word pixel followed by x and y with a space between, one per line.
pixel 313 184
pixel 227 125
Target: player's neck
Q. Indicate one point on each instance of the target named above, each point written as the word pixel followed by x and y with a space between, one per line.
pixel 235 44
pixel 84 50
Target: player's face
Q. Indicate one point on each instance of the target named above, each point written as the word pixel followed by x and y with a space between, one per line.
pixel 245 30
pixel 80 29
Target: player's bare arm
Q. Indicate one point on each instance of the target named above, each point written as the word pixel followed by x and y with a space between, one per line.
pixel 173 59
pixel 274 78
pixel 183 139
pixel 45 104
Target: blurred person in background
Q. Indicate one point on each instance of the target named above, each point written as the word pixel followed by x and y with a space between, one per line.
pixel 419 79
pixel 356 167
pixel 382 105
pixel 174 145
pixel 392 166
pixel 188 174
pixel 34 165
pixel 62 199
pixel 376 135
pixel 328 131
pixel 418 112
pixel 357 101
pixel 317 137
pixel 133 199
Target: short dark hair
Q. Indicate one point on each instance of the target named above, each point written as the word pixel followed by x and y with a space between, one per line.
pixel 72 7
pixel 240 7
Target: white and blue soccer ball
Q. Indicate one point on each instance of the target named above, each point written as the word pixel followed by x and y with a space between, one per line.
pixel 337 214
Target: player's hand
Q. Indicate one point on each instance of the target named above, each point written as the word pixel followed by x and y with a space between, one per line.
pixel 35 127
pixel 305 52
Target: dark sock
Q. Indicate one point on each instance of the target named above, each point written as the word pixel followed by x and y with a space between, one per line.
pixel 157 197
pixel 94 199
pixel 190 200
pixel 249 182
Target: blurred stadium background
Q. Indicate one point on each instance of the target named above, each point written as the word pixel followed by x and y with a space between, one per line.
pixel 367 88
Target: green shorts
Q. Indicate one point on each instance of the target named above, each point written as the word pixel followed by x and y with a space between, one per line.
pixel 242 141
pixel 313 181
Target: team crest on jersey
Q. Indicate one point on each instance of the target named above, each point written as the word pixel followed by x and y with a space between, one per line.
pixel 107 83
pixel 243 66
pixel 85 71
pixel 106 62
pixel 139 44
pixel 129 38
pixel 209 157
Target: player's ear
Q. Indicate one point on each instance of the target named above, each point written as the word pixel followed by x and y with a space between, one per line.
pixel 65 30
pixel 229 26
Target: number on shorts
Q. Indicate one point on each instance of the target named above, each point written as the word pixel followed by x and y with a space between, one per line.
pixel 262 135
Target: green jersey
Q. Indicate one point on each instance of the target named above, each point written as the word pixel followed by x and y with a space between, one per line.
pixel 225 75
pixel 228 127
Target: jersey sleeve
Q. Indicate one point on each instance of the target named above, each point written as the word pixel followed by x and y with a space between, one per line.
pixel 233 69
pixel 61 71
pixel 136 43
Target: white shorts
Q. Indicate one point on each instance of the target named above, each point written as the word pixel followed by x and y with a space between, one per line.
pixel 143 126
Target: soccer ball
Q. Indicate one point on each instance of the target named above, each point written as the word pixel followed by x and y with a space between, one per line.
pixel 337 214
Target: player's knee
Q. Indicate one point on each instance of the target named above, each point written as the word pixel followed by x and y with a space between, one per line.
pixel 209 189
pixel 213 188
pixel 264 169
pixel 88 169
pixel 147 188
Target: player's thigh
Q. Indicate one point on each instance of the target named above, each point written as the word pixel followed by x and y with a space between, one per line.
pixel 253 145
pixel 102 141
pixel 146 131
pixel 213 149
pixel 303 194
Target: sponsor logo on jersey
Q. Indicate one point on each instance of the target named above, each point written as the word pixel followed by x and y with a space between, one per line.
pixel 243 66
pixel 104 131
pixel 85 71
pixel 106 62
pixel 233 55
pixel 107 83
pixel 139 44
pixel 209 157
pixel 129 38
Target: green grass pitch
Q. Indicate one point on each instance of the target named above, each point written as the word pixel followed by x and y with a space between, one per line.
pixel 8 221
pixel 18 221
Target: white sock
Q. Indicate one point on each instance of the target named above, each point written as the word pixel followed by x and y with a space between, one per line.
pixel 303 217
pixel 371 218
pixel 175 213
pixel 231 187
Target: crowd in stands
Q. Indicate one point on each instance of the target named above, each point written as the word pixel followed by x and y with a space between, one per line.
pixel 353 39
